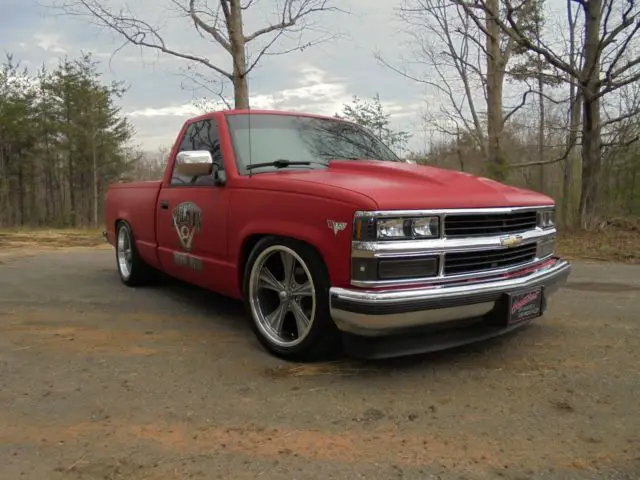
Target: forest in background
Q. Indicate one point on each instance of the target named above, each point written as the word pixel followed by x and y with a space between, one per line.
pixel 561 117
pixel 63 139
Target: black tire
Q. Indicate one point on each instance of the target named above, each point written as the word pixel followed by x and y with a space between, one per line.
pixel 322 340
pixel 139 272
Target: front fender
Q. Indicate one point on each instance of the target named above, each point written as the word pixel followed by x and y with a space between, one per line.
pixel 301 217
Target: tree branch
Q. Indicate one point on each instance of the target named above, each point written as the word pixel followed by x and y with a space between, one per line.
pixel 136 32
pixel 522 103
pixel 626 144
pixel 513 30
pixel 631 114
pixel 291 16
pixel 546 162
pixel 210 29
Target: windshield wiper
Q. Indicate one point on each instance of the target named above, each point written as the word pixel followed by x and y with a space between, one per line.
pixel 281 163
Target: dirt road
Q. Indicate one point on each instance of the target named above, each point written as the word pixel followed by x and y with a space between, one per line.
pixel 100 381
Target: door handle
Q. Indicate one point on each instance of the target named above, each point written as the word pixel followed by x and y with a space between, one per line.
pixel 164 204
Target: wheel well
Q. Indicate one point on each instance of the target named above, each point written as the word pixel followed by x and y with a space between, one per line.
pixel 251 241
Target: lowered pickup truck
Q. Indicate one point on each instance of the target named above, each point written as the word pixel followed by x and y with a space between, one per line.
pixel 333 242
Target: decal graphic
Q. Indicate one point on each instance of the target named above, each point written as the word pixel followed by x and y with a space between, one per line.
pixel 186 260
pixel 187 220
pixel 336 226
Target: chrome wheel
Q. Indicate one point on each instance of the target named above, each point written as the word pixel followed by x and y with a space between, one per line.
pixel 124 252
pixel 282 296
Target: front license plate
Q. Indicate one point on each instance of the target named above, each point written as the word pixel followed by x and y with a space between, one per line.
pixel 525 305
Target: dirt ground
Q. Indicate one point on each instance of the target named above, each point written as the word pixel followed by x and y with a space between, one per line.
pixel 98 381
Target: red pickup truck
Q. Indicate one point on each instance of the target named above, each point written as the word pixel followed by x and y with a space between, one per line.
pixel 333 242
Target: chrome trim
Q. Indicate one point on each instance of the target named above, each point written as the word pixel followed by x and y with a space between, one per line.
pixel 440 266
pixel 441 278
pixel 447 211
pixel 455 301
pixel 383 249
pixel 408 248
pixel 379 325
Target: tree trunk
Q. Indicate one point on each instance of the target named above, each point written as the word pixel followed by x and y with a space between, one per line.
pixel 21 190
pixel 541 134
pixel 572 139
pixel 591 161
pixel 236 39
pixel 241 91
pixel 574 123
pixel 541 120
pixel 591 128
pixel 497 164
pixel 95 179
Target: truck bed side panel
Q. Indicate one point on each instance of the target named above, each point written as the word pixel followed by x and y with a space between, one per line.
pixel 135 202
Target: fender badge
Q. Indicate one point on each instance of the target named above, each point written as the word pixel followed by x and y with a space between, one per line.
pixel 337 227
pixel 511 241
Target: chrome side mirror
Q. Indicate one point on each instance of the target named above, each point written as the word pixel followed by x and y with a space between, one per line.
pixel 194 163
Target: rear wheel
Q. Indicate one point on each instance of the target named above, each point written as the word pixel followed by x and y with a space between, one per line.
pixel 286 292
pixel 132 269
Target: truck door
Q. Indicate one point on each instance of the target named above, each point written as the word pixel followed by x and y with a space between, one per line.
pixel 192 216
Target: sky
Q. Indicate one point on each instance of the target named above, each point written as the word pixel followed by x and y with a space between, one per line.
pixel 318 80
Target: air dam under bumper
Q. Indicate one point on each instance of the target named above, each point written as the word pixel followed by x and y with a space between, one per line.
pixel 374 314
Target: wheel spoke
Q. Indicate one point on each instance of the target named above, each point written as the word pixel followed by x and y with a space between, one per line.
pixel 303 290
pixel 302 321
pixel 289 264
pixel 269 281
pixel 276 318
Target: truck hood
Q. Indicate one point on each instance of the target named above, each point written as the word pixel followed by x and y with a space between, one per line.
pixel 405 186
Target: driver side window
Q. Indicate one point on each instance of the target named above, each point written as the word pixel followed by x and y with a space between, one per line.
pixel 201 135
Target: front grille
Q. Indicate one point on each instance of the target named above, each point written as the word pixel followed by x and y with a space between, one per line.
pixel 457 263
pixel 488 224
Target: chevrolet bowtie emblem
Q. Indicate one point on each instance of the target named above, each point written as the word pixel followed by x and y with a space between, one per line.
pixel 511 241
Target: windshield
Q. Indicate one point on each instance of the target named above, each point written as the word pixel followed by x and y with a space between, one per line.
pixel 301 139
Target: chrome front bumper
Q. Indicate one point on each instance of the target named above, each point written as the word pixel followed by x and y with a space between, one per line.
pixel 377 313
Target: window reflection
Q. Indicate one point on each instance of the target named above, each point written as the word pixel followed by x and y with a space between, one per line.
pixel 269 137
pixel 200 135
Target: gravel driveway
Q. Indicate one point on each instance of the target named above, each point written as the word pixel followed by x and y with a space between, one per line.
pixel 98 381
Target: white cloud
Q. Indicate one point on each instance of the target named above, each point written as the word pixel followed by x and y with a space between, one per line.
pixel 315 91
pixel 50 42
pixel 169 111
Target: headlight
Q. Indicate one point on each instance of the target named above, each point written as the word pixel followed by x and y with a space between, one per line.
pixel 390 228
pixel 547 218
pixel 398 228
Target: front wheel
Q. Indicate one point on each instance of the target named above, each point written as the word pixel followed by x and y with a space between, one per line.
pixel 286 294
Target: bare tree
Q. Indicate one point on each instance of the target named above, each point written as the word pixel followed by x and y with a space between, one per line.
pixel 217 20
pixel 574 118
pixel 441 38
pixel 610 62
pixel 462 60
